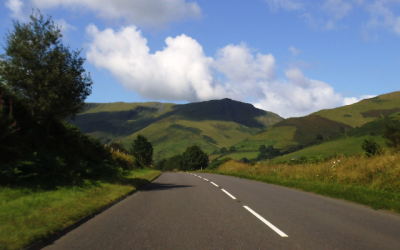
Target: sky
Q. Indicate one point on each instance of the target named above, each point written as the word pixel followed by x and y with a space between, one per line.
pixel 291 57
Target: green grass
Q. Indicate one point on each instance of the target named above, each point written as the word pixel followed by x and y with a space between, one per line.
pixel 344 146
pixel 253 145
pixel 29 215
pixel 353 114
pixel 240 155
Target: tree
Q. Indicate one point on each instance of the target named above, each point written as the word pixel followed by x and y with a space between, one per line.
pixel 320 137
pixel 223 150
pixel 194 158
pixel 115 146
pixel 370 147
pixel 142 150
pixel 392 133
pixel 342 130
pixel 262 148
pixel 232 149
pixel 37 67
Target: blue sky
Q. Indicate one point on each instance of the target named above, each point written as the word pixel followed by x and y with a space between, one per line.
pixel 292 57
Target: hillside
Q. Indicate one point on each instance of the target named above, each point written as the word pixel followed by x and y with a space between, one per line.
pixel 171 128
pixel 330 123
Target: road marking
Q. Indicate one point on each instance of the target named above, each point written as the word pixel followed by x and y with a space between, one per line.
pixel 205 179
pixel 226 192
pixel 282 234
pixel 214 184
pixel 200 177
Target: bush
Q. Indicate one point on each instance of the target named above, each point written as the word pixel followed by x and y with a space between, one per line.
pixel 370 147
pixel 194 158
pixel 142 150
pixel 218 163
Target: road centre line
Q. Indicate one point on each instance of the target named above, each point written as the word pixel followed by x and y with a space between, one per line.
pixel 214 184
pixel 282 234
pixel 226 192
pixel 205 179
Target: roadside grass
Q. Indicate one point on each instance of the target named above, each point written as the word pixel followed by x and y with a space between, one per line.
pixel 28 215
pixel 371 181
pixel 345 146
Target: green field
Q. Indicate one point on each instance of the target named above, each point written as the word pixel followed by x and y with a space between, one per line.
pixel 28 215
pixel 344 146
pixel 240 155
pixel 253 145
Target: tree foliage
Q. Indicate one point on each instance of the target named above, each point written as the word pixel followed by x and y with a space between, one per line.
pixel 194 158
pixel 232 149
pixel 370 147
pixel 268 153
pixel 142 150
pixel 223 150
pixel 392 133
pixel 37 67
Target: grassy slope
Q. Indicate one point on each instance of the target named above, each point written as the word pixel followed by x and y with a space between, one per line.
pixel 172 136
pixel 303 130
pixel 172 128
pixel 27 215
pixel 352 114
pixel 370 181
pixel 346 144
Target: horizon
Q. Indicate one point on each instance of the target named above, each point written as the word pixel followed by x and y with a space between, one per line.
pixel 290 57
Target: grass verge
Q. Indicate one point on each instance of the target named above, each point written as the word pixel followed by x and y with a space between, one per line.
pixel 374 182
pixel 29 215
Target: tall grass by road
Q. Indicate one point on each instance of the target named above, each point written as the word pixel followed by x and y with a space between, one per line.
pixel 28 215
pixel 371 181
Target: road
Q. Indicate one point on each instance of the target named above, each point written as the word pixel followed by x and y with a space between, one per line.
pixel 207 211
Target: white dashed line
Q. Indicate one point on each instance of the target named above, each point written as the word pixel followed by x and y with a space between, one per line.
pixel 282 234
pixel 214 184
pixel 205 179
pixel 226 192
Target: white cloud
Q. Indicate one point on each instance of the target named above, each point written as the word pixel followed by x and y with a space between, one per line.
pixel 294 50
pixel 274 5
pixel 352 100
pixel 182 72
pixel 65 27
pixel 337 9
pixel 16 7
pixel 383 16
pixel 155 13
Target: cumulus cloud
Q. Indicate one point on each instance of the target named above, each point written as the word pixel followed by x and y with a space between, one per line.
pixel 352 100
pixel 155 13
pixel 65 27
pixel 16 7
pixel 182 72
pixel 383 16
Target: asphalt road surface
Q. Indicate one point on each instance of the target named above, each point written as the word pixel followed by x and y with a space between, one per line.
pixel 207 211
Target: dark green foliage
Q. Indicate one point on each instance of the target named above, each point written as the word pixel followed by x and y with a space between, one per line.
pixel 115 146
pixel 232 149
pixel 262 148
pixel 46 74
pixel 268 153
pixel 142 150
pixel 342 130
pixel 392 133
pixel 320 137
pixel 194 159
pixel 245 160
pixel 223 150
pixel 174 162
pixel 370 147
pixel 209 139
pixel 218 163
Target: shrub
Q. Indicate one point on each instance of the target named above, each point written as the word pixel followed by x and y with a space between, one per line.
pixel 194 158
pixel 218 163
pixel 370 147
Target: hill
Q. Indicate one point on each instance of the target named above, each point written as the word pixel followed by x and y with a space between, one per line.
pixel 332 124
pixel 173 127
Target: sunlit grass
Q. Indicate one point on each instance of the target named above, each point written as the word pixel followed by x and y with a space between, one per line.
pixel 29 215
pixel 371 181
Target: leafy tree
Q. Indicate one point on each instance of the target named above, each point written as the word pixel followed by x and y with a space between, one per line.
pixel 320 137
pixel 370 147
pixel 142 150
pixel 392 133
pixel 7 122
pixel 194 158
pixel 245 160
pixel 37 67
pixel 232 149
pixel 342 130
pixel 174 162
pixel 268 153
pixel 262 148
pixel 223 150
pixel 115 146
